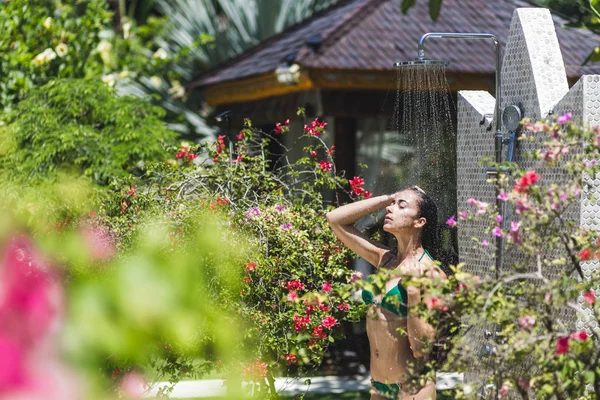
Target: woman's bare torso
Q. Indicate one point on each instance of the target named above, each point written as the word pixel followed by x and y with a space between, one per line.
pixel 392 358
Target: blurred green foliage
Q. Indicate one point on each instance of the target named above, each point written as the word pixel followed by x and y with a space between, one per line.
pixel 46 39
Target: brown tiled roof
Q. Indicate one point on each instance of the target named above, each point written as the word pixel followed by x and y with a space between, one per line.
pixel 373 34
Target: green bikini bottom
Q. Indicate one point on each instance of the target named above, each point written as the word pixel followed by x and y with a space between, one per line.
pixel 387 390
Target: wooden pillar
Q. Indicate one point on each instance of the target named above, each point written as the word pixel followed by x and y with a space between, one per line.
pixel 345 150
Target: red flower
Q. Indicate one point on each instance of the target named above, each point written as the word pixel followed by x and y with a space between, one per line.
pixel 300 322
pixel 562 345
pixel 590 297
pixel 278 128
pixel 579 335
pixel 331 150
pixel 219 146
pixel 240 135
pixel 585 254
pixel 527 180
pixel 295 285
pixel 433 302
pixel 309 309
pixel 251 266
pixel 343 306
pixel 313 153
pixel 325 165
pixel 326 287
pixel 461 286
pixel 323 307
pixel 318 332
pixel 356 188
pixel 291 359
pixel 329 322
pixel 257 369
pixel 247 279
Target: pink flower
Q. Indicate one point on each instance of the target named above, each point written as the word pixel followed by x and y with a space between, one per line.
pixel 503 391
pixel 524 383
pixel 291 359
pixel 134 385
pixel 589 297
pixel 498 218
pixel 581 336
pixel 240 135
pixel 343 307
pixel 313 153
pixel 482 207
pixel 31 296
pixel 451 222
pixel 329 322
pixel 563 196
pixel 286 226
pixel 471 201
pixel 331 150
pixel 562 345
pixel 323 307
pixel 356 276
pixel 462 215
pixel 503 196
pixel 484 242
pixel 564 118
pixel 12 366
pixel 497 231
pixel 292 296
pixel 100 242
pixel 526 322
pixel 326 287
pixel 310 309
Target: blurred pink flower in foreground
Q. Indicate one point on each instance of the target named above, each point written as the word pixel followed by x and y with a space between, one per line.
pixel 133 385
pixel 31 307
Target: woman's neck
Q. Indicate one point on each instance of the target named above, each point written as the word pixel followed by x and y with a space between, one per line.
pixel 409 247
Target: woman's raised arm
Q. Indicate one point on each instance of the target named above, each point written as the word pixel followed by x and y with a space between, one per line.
pixel 342 221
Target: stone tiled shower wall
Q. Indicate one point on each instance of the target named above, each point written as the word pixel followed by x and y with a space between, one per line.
pixel 533 77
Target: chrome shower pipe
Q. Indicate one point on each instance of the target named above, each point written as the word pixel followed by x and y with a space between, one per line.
pixel 459 35
pixel 498 136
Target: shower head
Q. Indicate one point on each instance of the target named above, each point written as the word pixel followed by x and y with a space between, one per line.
pixel 420 62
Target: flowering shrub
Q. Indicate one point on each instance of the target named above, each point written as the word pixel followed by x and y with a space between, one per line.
pixel 535 348
pixel 294 283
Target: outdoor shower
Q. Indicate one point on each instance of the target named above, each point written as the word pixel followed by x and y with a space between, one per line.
pixel 421 61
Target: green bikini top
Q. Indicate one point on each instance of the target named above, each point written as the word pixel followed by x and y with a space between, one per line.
pixel 396 300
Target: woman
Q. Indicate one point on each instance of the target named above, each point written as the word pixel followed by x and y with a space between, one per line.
pixel 411 216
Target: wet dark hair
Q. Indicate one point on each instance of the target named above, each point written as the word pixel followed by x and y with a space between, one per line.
pixel 428 210
pixel 429 240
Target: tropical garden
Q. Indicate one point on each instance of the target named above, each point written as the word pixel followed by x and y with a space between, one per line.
pixel 140 245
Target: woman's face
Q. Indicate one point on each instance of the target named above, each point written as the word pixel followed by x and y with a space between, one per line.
pixel 403 214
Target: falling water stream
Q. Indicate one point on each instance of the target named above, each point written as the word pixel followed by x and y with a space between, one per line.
pixel 423 118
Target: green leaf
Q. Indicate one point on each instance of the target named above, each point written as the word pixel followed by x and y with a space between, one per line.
pixel 594 56
pixel 407 5
pixel 434 9
pixel 595 6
